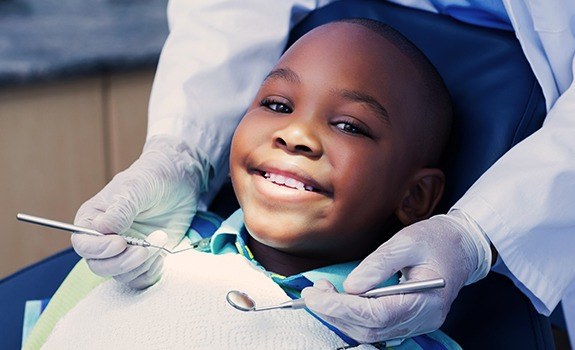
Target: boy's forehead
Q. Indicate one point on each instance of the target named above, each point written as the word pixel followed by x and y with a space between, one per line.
pixel 353 47
pixel 347 40
pixel 342 33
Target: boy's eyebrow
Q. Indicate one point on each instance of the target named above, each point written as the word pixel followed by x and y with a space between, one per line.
pixel 358 96
pixel 284 73
pixel 352 95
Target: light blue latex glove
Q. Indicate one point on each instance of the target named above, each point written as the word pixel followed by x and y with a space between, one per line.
pixel 448 246
pixel 158 192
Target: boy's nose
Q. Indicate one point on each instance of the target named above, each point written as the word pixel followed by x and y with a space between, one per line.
pixel 298 138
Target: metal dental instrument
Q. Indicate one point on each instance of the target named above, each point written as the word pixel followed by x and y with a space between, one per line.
pixel 77 229
pixel 243 302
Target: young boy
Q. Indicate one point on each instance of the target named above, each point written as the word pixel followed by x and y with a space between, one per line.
pixel 339 149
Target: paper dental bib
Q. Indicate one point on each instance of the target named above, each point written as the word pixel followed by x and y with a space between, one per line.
pixel 187 309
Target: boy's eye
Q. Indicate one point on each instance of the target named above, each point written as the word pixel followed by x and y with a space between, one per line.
pixel 351 128
pixel 276 106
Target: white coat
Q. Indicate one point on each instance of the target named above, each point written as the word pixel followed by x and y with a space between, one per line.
pixel 218 52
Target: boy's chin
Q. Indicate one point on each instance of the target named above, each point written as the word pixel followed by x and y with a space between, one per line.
pixel 292 244
pixel 276 240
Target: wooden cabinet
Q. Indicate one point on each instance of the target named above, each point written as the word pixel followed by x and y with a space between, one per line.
pixel 60 143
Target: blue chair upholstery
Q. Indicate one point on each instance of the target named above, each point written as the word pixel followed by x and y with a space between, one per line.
pixel 497 103
pixel 36 282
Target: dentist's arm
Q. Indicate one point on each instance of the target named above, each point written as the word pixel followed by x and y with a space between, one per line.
pixel 524 204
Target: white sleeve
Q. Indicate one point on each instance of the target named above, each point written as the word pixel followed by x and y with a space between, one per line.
pixel 525 204
pixel 213 62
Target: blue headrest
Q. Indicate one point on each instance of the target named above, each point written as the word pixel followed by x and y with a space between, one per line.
pixel 496 98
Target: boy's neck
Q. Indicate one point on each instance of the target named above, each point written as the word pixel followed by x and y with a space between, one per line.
pixel 284 263
pixel 288 264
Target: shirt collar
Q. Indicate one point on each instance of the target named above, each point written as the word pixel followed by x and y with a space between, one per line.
pixel 231 237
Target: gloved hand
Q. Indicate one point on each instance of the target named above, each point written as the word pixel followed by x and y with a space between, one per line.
pixel 135 266
pixel 449 246
pixel 159 191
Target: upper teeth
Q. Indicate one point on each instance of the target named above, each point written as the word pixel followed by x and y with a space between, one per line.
pixel 287 181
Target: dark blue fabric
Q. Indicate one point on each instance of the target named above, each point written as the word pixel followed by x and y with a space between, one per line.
pixel 206 224
pixel 426 342
pixel 345 338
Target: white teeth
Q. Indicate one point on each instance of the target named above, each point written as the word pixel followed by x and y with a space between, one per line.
pixel 287 181
pixel 280 179
pixel 294 183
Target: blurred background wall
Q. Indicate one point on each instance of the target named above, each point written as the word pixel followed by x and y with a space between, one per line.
pixel 75 78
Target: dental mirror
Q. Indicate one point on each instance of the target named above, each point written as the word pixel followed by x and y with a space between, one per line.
pixel 240 300
pixel 244 302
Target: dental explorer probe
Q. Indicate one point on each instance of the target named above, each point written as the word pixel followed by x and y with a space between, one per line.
pixel 78 229
pixel 243 302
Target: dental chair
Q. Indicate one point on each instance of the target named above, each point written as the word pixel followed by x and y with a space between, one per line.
pixel 497 103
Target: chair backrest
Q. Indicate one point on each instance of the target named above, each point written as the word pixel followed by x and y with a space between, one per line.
pixel 497 103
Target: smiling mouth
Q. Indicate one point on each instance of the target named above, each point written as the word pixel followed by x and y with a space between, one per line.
pixel 287 181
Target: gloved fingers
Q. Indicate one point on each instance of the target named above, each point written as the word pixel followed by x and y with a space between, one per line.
pixel 128 260
pixel 138 270
pixel 423 273
pixel 419 273
pixel 439 300
pixel 322 289
pixel 416 314
pixel 373 334
pixel 175 223
pixel 421 251
pixel 149 277
pixel 375 319
pixel 98 204
pixel 155 257
pixel 157 238
pixel 87 212
pixel 351 309
pixel 324 286
pixel 118 216
pixel 395 254
pixel 98 247
pixel 115 216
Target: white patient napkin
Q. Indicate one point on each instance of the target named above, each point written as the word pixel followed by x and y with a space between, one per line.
pixel 187 309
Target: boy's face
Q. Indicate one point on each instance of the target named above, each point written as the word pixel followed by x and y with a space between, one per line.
pixel 324 154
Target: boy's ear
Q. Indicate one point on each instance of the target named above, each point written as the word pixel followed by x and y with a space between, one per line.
pixel 424 192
